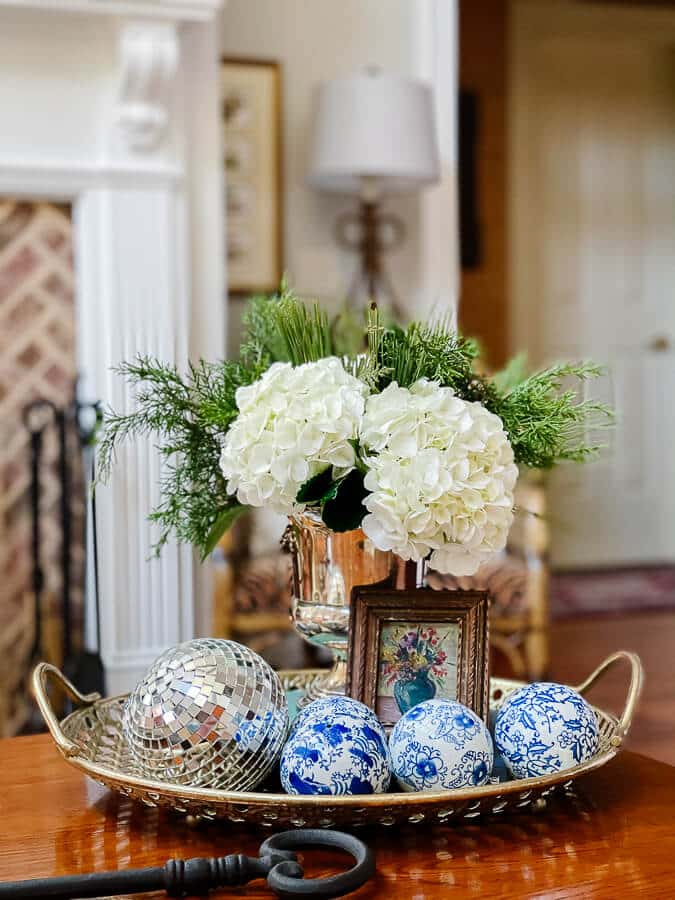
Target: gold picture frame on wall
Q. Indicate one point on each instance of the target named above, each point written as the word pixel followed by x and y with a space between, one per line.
pixel 251 117
pixel 409 646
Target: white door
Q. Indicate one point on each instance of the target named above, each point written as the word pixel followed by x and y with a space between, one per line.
pixel 594 261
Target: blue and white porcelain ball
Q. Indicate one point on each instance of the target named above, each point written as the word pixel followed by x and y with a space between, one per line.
pixel 545 728
pixel 336 753
pixel 440 744
pixel 338 705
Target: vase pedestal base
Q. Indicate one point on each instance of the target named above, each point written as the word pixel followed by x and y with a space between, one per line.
pixel 326 566
pixel 331 684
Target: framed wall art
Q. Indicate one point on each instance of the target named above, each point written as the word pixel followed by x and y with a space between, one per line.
pixel 409 646
pixel 251 113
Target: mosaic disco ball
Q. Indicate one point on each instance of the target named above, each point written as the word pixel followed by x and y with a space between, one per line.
pixel 209 713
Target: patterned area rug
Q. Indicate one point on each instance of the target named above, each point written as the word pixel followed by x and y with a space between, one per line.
pixel 612 591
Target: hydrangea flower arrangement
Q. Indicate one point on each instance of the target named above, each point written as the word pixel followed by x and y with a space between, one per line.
pixel 441 476
pixel 400 436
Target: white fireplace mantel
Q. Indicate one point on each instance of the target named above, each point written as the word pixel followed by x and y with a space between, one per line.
pixel 114 105
pixel 178 10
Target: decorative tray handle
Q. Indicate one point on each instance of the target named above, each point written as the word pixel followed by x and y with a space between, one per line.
pixel 634 688
pixel 41 674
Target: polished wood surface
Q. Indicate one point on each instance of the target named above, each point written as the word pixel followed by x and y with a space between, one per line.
pixel 614 838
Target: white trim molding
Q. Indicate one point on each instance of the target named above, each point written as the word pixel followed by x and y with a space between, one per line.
pixel 172 10
pixel 148 59
pixel 436 61
pixel 133 300
pixel 56 180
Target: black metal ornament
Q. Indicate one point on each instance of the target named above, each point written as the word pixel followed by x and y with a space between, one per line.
pixel 276 861
pixel 74 425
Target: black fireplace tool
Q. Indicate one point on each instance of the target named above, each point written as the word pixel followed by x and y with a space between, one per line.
pixel 37 416
pixel 75 424
pixel 86 668
pixel 276 861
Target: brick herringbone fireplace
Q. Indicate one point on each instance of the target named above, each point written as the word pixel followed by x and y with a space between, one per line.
pixel 37 361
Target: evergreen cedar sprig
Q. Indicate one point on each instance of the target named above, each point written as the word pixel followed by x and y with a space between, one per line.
pixel 547 424
pixel 189 414
pixel 262 339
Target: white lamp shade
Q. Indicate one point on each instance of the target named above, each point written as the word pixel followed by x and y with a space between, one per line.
pixel 375 126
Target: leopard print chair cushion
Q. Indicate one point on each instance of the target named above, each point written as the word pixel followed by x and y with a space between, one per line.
pixel 263 584
pixel 505 579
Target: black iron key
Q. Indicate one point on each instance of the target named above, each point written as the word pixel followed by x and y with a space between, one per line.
pixel 277 862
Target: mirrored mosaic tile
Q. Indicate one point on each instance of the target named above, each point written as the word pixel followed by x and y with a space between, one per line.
pixel 209 712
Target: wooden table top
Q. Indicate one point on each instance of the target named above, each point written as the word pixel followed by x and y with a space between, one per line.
pixel 616 838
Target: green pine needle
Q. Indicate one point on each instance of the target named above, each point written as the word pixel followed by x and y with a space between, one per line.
pixel 305 330
pixel 424 351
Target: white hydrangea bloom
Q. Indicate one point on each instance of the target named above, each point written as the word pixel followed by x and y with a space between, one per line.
pixel 292 424
pixel 441 476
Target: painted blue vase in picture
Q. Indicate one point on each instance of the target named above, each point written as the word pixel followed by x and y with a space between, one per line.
pixel 413 691
pixel 440 745
pixel 545 728
pixel 413 663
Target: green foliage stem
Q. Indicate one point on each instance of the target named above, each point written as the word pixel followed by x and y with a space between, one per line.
pixel 305 330
pixel 424 351
pixel 188 415
pixel 546 423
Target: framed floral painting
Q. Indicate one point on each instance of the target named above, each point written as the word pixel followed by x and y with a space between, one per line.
pixel 411 646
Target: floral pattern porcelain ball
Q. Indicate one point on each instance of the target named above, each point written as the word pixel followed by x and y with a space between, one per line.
pixel 344 706
pixel 336 752
pixel 544 728
pixel 440 744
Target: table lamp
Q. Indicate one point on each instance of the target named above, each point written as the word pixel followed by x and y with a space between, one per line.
pixel 374 134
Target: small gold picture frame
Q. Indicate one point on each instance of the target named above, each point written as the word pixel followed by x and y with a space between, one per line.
pixel 412 645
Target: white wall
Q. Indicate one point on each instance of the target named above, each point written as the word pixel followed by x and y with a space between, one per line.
pixel 321 39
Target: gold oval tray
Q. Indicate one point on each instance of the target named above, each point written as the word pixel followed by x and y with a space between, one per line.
pixel 92 740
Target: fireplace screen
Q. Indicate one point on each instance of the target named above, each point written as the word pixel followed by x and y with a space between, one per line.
pixel 37 433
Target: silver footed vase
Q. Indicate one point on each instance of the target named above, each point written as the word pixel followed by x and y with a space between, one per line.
pixel 326 566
